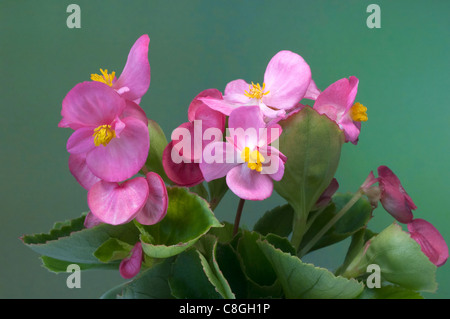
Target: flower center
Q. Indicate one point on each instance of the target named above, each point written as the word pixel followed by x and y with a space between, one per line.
pixel 104 78
pixel 358 112
pixel 255 91
pixel 103 135
pixel 254 159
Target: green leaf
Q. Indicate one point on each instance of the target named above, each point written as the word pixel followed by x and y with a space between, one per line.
pixel 189 278
pixel 200 190
pixel 390 292
pixel 301 280
pixel 353 220
pixel 57 266
pixel 113 249
pixel 188 218
pixel 276 221
pixel 400 259
pixel 70 241
pixel 151 283
pixel 158 143
pixel 312 144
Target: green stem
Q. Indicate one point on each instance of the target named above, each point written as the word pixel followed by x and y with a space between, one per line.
pixel 332 221
pixel 298 228
pixel 238 216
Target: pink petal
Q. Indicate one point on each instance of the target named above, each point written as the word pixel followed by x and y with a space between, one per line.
pixel 79 170
pixel 81 141
pixel 430 240
pixel 394 198
pixel 134 110
pixel 223 158
pixel 249 184
pixel 351 129
pixel 183 174
pixel 123 157
pixel 223 106
pixel 136 73
pixel 336 99
pixel 155 208
pixel 312 92
pixel 90 104
pixel 115 203
pixel 287 78
pixel 130 267
pixel 197 102
pixel 210 118
pixel 245 123
pixel 235 90
pixel 91 221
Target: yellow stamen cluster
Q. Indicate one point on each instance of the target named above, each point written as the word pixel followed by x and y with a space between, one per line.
pixel 104 78
pixel 358 112
pixel 103 135
pixel 254 159
pixel 255 91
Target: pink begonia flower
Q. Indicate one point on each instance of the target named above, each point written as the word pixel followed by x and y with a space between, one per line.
pixel 111 137
pixel 130 266
pixel 134 80
pixel 287 80
pixel 91 221
pixel 246 159
pixel 430 240
pixel 201 118
pixel 337 102
pixel 142 198
pixel 393 197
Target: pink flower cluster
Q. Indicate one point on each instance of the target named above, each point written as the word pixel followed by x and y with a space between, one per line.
pixel 287 80
pixel 399 204
pixel 110 145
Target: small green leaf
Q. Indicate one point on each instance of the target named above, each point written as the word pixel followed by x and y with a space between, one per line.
pixel 301 280
pixel 217 190
pixel 158 143
pixel 188 218
pixel 200 190
pixel 151 283
pixel 113 249
pixel 276 221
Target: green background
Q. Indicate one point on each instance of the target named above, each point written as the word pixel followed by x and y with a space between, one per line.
pixel 404 81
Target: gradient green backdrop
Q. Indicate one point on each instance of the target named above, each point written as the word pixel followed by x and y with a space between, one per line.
pixel 404 81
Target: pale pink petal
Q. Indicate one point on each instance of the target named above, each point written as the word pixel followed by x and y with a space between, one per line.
pixel 130 267
pixel 337 98
pixel 91 221
pixel 123 157
pixel 312 92
pixel 351 130
pixel 136 73
pixel 182 174
pixel 244 124
pixel 115 203
pixel 432 243
pixel 197 102
pixel 287 79
pixel 155 208
pixel 219 158
pixel 81 141
pixel 235 92
pixel 90 104
pixel 79 170
pixel 222 106
pixel 249 184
